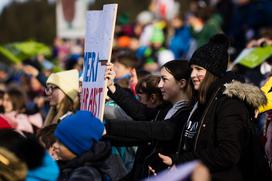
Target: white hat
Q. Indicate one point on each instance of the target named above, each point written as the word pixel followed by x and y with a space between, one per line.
pixel 165 56
pixel 145 17
pixel 67 81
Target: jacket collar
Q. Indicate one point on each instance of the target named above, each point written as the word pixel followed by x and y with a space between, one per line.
pixel 248 93
pixel 98 153
pixel 233 86
pixel 219 83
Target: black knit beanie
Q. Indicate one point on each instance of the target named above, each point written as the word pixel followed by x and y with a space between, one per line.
pixel 213 56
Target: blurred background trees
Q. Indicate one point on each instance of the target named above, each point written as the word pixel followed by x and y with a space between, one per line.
pixel 36 19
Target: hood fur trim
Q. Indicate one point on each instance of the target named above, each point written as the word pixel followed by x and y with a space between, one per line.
pixel 251 94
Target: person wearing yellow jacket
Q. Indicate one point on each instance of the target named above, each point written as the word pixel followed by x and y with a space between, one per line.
pixel 266 89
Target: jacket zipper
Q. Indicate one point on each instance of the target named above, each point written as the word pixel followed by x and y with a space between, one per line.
pixel 183 129
pixel 203 117
pixel 155 146
pixel 156 143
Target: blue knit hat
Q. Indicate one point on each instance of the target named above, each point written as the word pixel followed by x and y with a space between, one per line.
pixel 78 131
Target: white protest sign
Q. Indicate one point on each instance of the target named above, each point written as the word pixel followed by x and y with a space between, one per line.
pixel 98 46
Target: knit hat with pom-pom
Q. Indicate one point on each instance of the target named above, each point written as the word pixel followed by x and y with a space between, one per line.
pixel 213 56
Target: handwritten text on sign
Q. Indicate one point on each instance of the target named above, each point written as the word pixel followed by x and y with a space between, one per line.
pixel 91 96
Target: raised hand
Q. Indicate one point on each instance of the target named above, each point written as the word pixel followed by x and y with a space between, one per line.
pixel 28 69
pixel 109 76
pixel 133 77
pixel 133 80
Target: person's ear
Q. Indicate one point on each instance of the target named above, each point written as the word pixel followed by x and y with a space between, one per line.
pixel 182 83
pixel 153 98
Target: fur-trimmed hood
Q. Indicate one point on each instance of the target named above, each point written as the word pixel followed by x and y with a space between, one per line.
pixel 251 94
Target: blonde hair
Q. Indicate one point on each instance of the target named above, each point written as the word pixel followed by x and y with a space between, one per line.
pixel 11 168
pixel 56 112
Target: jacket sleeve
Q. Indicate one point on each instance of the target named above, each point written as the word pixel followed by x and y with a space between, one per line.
pixel 123 141
pixel 131 105
pixel 225 149
pixel 142 130
pixel 115 112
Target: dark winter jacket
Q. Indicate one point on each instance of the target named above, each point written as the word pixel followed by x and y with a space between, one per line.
pixel 223 141
pixel 157 136
pixel 97 164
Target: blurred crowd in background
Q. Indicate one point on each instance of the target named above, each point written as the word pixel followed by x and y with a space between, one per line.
pixel 155 37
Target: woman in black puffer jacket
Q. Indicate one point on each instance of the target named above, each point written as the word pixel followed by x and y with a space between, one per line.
pixel 220 130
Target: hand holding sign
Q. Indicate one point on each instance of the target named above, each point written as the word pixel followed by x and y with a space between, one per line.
pixel 259 42
pixel 110 76
pixel 253 57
